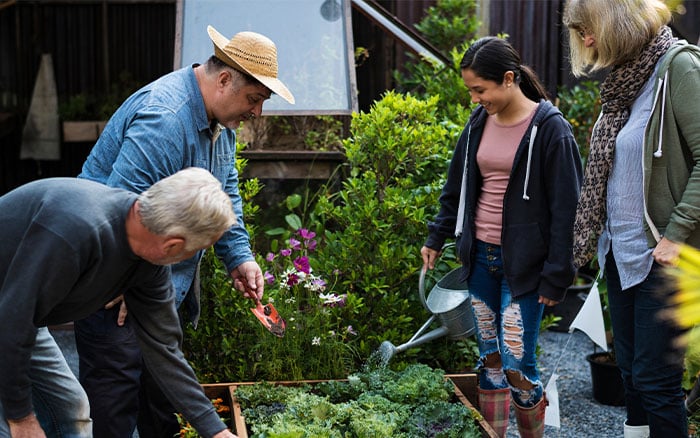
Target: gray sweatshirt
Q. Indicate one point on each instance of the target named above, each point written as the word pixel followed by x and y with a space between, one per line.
pixel 64 254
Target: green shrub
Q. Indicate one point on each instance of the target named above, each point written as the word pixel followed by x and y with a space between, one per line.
pixel 450 23
pixel 214 348
pixel 581 106
pixel 450 26
pixel 397 157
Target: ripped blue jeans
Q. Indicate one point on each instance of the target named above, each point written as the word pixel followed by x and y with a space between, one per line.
pixel 506 325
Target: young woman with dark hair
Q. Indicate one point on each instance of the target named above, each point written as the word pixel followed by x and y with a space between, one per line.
pixel 509 201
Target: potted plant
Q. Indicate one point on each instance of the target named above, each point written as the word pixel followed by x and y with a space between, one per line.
pixel 606 378
pixel 85 115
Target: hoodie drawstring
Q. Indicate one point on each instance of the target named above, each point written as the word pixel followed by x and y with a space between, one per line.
pixel 658 152
pixel 531 146
pixel 459 225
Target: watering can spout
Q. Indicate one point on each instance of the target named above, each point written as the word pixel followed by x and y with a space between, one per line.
pixel 387 350
pixel 430 336
pixel 449 304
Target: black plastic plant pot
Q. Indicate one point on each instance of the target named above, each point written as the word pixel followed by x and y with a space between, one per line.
pixel 606 380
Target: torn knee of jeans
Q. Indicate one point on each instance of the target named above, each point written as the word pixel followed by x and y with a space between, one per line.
pixel 492 360
pixel 495 376
pixel 525 392
pixel 516 379
pixel 485 319
pixel 513 330
pixel 484 359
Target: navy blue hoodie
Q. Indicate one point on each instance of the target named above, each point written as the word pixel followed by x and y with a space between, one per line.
pixel 539 204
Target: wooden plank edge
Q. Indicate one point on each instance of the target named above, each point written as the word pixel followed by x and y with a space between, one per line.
pixel 238 419
pixel 486 430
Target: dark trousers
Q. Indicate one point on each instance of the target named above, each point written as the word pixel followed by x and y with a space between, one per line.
pixel 120 390
pixel 651 366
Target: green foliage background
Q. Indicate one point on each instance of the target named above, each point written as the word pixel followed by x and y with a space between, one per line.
pixel 370 229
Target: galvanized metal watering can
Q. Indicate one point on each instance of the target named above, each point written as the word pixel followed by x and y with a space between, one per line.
pixel 449 303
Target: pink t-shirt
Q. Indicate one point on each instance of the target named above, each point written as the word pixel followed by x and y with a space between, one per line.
pixel 495 160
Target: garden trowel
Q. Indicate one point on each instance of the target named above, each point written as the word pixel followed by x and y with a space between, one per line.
pixel 268 316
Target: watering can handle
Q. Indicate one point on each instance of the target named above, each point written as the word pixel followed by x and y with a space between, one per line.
pixel 421 289
pixel 421 282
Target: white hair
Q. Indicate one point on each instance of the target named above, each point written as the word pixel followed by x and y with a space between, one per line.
pixel 190 204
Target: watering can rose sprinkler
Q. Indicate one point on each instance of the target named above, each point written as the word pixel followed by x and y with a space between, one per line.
pixel 448 302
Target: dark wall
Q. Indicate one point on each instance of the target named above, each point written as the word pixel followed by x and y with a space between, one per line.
pixel 92 43
pixel 536 33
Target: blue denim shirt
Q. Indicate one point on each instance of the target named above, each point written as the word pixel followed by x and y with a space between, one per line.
pixel 161 129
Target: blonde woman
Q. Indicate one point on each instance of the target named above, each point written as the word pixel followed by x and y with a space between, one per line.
pixel 641 192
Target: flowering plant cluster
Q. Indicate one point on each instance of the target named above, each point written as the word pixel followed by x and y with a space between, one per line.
pixel 318 342
pixel 186 429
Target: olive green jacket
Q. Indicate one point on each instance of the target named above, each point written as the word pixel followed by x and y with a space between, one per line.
pixel 672 150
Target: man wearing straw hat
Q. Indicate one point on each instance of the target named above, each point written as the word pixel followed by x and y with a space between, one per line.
pixel 185 118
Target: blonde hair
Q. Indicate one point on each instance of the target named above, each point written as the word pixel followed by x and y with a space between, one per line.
pixel 621 29
pixel 190 204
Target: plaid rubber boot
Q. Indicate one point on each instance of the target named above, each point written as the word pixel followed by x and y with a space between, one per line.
pixel 531 420
pixel 494 405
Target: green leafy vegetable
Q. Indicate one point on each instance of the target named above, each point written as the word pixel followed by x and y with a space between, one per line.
pixel 375 403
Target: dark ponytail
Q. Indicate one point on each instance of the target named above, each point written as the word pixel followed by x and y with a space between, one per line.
pixel 491 57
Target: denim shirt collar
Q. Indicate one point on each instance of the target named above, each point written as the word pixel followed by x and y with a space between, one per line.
pixel 199 111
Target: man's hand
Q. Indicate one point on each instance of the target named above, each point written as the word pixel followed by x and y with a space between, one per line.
pixel 122 309
pixel 27 427
pixel 248 278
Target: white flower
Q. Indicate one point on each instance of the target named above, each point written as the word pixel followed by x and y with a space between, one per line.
pixel 316 341
pixel 330 298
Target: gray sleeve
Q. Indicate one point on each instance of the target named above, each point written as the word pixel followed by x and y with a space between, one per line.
pixel 155 318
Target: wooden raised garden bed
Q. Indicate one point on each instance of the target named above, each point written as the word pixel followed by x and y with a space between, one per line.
pixel 464 386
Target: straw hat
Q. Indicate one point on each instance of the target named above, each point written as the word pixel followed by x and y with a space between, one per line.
pixel 253 54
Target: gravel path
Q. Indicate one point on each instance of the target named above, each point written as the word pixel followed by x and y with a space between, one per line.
pixel 580 415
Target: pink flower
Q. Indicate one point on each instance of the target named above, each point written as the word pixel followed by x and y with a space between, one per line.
pixel 269 278
pixel 306 234
pixel 294 244
pixel 292 279
pixel 318 284
pixel 301 264
pixel 269 257
pixel 285 252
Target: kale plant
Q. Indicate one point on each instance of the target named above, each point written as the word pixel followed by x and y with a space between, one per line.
pixel 374 403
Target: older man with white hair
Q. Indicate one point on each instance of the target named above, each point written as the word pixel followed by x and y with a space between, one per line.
pixel 67 247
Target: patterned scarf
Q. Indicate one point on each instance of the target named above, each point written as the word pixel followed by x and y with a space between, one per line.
pixel 617 93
